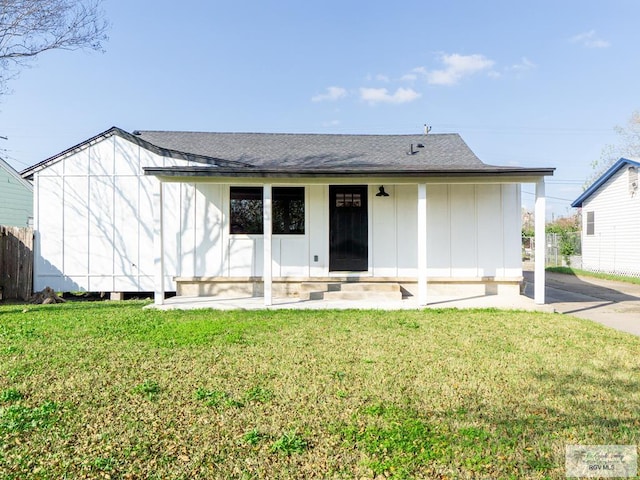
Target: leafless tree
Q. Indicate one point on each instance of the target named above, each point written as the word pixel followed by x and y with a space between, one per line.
pixel 628 146
pixel 31 27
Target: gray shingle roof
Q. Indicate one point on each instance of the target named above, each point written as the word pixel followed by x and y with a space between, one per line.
pixel 317 151
pixel 291 154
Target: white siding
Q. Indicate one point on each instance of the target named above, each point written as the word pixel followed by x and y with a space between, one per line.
pixel 613 248
pixel 94 227
pixel 317 228
pixel 406 228
pixel 384 236
pixel 472 231
pixel 94 220
pixel 209 260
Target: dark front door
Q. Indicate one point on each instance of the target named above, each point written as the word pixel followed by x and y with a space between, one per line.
pixel 348 228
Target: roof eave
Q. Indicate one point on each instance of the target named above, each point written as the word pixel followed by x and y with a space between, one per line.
pixel 29 172
pixel 363 172
pixel 577 203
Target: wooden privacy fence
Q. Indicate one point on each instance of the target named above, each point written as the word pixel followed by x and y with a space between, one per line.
pixel 16 262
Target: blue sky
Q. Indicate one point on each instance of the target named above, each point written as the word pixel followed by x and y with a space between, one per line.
pixel 525 83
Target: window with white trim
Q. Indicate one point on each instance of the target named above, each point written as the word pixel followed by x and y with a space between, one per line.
pixel 591 223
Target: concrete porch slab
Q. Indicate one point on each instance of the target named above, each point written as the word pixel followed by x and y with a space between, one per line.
pixel 506 302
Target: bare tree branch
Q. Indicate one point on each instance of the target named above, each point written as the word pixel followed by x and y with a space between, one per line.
pixel 628 146
pixel 31 27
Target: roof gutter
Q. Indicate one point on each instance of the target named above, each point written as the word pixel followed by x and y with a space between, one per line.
pixel 370 172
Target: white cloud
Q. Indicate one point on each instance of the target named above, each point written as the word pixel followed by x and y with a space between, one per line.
pixel 524 65
pixel 382 95
pixel 590 40
pixel 456 67
pixel 414 74
pixel 331 123
pixel 409 77
pixel 331 95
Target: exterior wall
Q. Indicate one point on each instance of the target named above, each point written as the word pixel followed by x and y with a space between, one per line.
pixel 613 248
pixel 206 248
pixel 473 231
pixel 94 220
pixel 16 198
pixel 94 228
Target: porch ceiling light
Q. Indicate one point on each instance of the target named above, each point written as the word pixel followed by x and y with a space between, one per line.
pixel 381 192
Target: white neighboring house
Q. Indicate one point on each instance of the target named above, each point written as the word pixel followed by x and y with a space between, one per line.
pixel 611 221
pixel 16 198
pixel 189 211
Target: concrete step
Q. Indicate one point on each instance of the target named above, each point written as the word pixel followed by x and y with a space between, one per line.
pixel 364 295
pixel 369 287
pixel 350 291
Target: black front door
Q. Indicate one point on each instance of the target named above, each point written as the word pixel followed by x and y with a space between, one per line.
pixel 348 228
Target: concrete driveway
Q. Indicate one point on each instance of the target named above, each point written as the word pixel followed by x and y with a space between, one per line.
pixel 615 304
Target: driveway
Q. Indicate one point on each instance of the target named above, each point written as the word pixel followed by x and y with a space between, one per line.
pixel 615 304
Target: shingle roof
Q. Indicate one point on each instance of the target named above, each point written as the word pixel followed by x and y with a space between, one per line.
pixel 304 151
pixel 290 154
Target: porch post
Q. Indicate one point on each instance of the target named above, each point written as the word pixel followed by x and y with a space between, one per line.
pixel 158 243
pixel 422 243
pixel 540 244
pixel 266 271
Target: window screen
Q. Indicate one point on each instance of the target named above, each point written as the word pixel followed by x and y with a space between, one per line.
pixel 591 224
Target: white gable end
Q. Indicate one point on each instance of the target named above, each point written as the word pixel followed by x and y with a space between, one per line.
pixel 94 211
pixel 615 210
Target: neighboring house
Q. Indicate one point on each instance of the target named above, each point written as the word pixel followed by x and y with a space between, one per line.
pixel 412 209
pixel 16 198
pixel 611 221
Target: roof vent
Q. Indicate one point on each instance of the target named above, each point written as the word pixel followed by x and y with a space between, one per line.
pixel 137 132
pixel 633 180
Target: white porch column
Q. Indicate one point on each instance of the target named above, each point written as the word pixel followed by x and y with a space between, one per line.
pixel 266 271
pixel 422 244
pixel 158 243
pixel 540 244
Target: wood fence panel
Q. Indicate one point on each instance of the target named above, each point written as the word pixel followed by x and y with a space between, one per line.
pixel 16 262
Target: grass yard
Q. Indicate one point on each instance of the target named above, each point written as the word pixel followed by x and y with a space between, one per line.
pixel 108 390
pixel 586 273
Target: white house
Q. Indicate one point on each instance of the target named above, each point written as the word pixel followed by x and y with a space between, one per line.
pixel 611 221
pixel 211 213
pixel 16 198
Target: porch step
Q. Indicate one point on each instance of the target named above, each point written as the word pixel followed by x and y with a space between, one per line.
pixel 350 291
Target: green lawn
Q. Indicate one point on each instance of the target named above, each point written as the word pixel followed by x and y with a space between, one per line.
pixel 586 273
pixel 109 390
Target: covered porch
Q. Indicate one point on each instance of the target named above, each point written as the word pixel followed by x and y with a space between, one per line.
pixel 418 290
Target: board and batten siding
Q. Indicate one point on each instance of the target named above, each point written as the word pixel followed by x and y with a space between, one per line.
pixel 613 247
pixel 94 220
pixel 472 231
pixel 16 198
pixel 94 227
